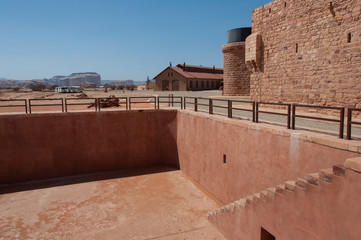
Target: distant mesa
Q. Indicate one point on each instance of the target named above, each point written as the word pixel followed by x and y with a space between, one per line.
pixel 77 79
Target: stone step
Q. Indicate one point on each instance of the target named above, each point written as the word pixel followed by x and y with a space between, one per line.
pixel 271 192
pixel 326 174
pixel 302 183
pixel 313 178
pixel 280 189
pixel 290 186
pixel 339 170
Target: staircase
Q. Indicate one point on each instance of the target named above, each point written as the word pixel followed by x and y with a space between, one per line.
pixel 301 205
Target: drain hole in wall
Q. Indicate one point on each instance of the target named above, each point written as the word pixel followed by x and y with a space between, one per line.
pixel 349 37
pixel 265 235
pixel 224 158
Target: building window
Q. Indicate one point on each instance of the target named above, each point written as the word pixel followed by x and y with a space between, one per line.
pixel 190 84
pixel 207 84
pixel 202 84
pixel 196 84
pixel 212 84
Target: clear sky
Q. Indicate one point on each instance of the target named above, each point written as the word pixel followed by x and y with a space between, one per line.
pixel 118 39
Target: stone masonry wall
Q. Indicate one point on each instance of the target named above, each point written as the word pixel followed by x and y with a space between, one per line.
pixel 311 52
pixel 236 73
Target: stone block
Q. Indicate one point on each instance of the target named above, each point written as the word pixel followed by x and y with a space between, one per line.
pixel 354 164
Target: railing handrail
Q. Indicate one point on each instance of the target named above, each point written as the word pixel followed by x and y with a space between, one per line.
pixel 211 103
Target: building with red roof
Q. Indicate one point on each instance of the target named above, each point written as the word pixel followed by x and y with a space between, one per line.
pixel 188 78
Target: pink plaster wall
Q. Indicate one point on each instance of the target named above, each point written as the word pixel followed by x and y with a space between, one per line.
pixel 330 211
pixel 256 160
pixel 53 145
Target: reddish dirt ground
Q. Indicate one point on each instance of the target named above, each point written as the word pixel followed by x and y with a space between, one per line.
pixel 153 204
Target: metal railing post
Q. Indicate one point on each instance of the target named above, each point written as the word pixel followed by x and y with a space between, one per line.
pixel 181 103
pixel 62 105
pixel 293 116
pixel 289 116
pixel 185 102
pixel 155 102
pixel 158 101
pixel 66 106
pixel 342 122
pixel 29 105
pixel 130 103
pixel 195 104
pixel 253 111
pixel 126 103
pixel 229 108
pixel 210 106
pixel 26 106
pixel 349 122
pixel 256 112
pixel 172 100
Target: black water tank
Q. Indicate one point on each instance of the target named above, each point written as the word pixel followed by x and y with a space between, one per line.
pixel 238 34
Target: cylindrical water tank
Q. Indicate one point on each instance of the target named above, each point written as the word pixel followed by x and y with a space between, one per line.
pixel 238 34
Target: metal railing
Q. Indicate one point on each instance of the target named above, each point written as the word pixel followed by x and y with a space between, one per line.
pixel 288 114
pixel 194 103
pixel 107 101
pixel 171 100
pixel 341 120
pixel 350 122
pixel 61 104
pixel 207 105
pixel 25 105
pixel 151 100
pixel 231 108
pixel 76 102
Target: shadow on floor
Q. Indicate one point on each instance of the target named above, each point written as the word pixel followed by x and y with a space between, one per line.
pixel 68 180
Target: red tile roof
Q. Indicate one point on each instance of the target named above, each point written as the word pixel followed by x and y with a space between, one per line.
pixel 200 75
pixel 203 73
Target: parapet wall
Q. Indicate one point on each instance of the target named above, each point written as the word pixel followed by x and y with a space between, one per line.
pixel 232 159
pixel 42 146
pixel 320 206
pixel 310 52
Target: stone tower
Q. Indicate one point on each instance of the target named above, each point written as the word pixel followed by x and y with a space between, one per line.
pixel 236 78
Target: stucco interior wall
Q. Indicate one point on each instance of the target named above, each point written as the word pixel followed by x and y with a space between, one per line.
pixel 327 210
pixel 255 160
pixel 42 146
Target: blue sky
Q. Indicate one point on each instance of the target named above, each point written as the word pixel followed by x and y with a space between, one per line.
pixel 118 39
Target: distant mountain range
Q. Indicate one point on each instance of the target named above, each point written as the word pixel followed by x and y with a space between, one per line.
pixel 74 79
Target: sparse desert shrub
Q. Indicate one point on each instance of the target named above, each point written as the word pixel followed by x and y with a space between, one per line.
pixel 16 89
pixel 37 87
pixel 52 87
pixel 121 87
pixel 112 87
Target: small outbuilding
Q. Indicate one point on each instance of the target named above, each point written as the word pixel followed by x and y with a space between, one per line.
pixel 188 78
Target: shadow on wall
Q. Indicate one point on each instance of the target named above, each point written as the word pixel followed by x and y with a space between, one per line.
pixel 47 146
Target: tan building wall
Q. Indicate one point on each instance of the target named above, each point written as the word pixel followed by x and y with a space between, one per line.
pixel 310 52
pixel 167 81
pixel 236 74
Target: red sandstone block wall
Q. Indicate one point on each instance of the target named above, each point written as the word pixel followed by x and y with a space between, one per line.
pixel 236 74
pixel 54 145
pixel 311 52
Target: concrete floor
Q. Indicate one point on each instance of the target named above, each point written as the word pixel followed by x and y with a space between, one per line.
pixel 154 203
